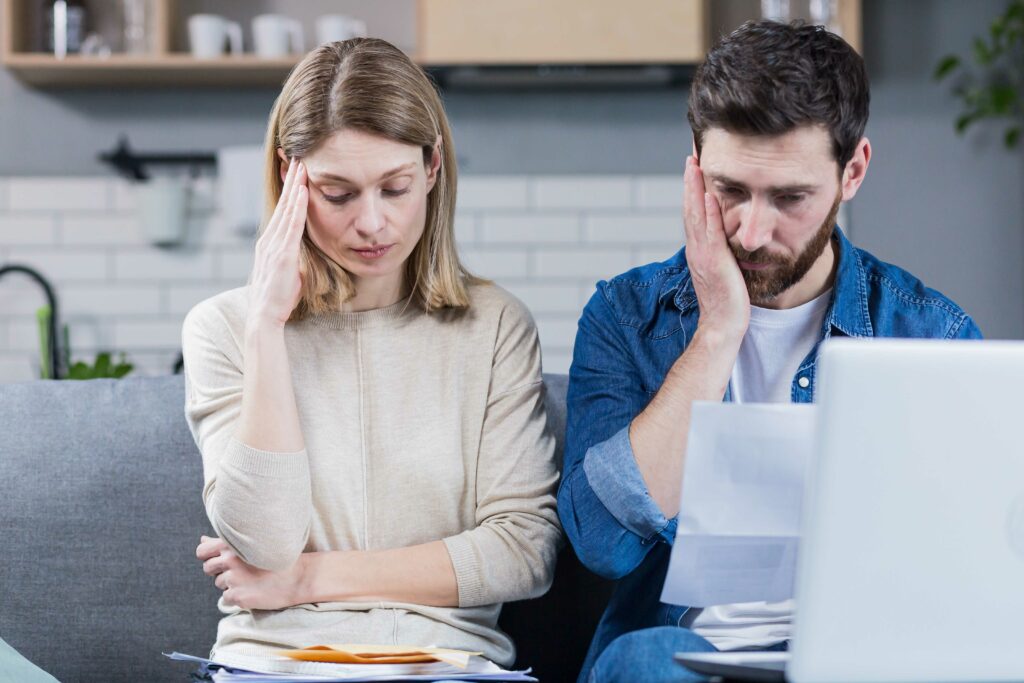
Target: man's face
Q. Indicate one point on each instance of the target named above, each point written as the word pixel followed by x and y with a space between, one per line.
pixel 779 198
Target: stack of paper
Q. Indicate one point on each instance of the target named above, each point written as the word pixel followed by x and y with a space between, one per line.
pixel 741 502
pixel 325 663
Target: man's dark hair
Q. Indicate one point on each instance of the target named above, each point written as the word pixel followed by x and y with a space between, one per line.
pixel 767 78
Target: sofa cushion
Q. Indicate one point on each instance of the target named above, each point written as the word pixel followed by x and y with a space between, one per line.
pixel 100 513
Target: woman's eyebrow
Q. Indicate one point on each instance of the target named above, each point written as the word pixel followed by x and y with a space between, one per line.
pixel 387 174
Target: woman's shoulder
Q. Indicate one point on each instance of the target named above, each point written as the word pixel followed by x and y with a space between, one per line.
pixel 489 300
pixel 221 312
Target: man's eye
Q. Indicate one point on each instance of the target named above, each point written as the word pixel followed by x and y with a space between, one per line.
pixel 791 198
pixel 732 191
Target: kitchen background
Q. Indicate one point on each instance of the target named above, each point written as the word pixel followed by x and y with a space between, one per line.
pixel 560 186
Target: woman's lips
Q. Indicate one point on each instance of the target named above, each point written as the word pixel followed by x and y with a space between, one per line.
pixel 372 253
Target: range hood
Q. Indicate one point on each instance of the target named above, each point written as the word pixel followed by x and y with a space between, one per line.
pixel 562 76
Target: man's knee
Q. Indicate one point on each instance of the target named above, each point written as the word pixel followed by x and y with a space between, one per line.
pixel 647 655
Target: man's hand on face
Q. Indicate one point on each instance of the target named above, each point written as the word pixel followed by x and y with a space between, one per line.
pixel 717 279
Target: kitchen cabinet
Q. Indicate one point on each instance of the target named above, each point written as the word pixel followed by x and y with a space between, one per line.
pixel 471 32
pixel 437 33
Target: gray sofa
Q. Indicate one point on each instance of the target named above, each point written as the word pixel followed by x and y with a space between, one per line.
pixel 100 513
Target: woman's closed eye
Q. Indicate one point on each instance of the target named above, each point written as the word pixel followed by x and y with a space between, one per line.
pixel 341 198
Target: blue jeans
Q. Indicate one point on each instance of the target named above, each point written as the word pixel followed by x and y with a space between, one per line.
pixel 646 656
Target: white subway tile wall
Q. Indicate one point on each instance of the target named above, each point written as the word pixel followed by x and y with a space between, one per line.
pixel 548 239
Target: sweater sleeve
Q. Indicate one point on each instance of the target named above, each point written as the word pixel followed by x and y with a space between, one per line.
pixel 510 554
pixel 258 501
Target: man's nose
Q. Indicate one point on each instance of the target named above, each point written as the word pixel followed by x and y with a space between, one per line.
pixel 757 224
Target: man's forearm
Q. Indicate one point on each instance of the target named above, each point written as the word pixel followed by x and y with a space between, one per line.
pixel 658 434
pixel 420 574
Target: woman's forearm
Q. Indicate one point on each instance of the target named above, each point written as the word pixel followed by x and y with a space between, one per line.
pixel 269 420
pixel 421 574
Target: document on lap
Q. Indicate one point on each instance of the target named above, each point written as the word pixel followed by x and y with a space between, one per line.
pixel 235 668
pixel 740 508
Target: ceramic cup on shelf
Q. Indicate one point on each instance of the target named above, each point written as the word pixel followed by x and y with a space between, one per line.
pixel 277 36
pixel 163 203
pixel 208 34
pixel 334 27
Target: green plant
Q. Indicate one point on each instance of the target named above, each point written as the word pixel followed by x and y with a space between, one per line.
pixel 101 367
pixel 996 88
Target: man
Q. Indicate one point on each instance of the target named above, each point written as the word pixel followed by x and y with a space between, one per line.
pixel 778 115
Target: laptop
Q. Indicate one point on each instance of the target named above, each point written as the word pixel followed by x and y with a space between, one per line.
pixel 911 562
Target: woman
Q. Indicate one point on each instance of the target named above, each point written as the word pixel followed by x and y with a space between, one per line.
pixel 376 459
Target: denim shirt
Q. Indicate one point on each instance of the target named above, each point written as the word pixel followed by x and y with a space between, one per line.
pixel 632 330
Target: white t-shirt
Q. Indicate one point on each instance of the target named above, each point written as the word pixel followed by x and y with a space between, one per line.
pixel 776 343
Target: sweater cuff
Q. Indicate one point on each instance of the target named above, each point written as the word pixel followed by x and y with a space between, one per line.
pixel 285 465
pixel 467 570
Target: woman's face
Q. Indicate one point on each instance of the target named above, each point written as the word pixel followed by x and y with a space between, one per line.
pixel 368 204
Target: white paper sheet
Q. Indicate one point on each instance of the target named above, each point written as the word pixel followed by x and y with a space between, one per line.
pixel 281 670
pixel 742 493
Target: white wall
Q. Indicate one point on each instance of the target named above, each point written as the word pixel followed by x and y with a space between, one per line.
pixel 546 238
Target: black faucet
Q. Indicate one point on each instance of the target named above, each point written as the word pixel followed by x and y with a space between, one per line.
pixel 51 299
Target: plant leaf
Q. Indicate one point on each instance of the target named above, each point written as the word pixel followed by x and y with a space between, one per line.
pixel 1003 97
pixel 1012 137
pixel 982 53
pixel 965 120
pixel 946 66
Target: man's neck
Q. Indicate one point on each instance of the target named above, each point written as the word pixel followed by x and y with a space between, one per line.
pixel 818 280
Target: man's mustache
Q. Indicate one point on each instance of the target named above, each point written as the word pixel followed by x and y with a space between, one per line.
pixel 760 256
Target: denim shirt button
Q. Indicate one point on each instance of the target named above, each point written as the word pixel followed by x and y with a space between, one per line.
pixel 804 382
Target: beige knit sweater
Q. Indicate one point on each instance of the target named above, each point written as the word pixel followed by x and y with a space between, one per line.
pixel 417 427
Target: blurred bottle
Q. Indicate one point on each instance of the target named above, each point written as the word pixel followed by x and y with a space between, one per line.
pixel 136 32
pixel 776 10
pixel 65 26
pixel 825 13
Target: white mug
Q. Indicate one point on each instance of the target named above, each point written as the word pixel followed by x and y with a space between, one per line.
pixel 334 27
pixel 207 34
pixel 162 207
pixel 277 36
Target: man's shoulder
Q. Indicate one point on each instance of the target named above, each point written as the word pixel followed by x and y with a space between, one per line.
pixel 634 296
pixel 901 305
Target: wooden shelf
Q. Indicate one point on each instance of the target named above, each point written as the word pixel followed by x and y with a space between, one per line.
pixel 523 33
pixel 179 69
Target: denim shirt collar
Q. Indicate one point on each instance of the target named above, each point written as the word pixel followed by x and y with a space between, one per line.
pixel 847 313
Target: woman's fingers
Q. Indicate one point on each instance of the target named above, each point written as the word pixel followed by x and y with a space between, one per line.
pixel 298 222
pixel 209 547
pixel 223 580
pixel 274 226
pixel 295 210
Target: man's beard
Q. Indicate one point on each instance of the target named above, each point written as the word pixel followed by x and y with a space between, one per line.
pixel 764 285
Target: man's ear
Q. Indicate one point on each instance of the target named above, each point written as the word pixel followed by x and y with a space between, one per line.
pixel 856 169
pixel 283 166
pixel 435 164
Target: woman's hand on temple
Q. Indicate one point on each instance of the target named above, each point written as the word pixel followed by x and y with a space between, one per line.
pixel 246 586
pixel 276 281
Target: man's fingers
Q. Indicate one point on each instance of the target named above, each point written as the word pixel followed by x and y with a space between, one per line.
pixel 713 219
pixel 693 202
pixel 222 580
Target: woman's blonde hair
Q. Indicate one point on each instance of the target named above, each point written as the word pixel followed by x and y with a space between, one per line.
pixel 369 85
